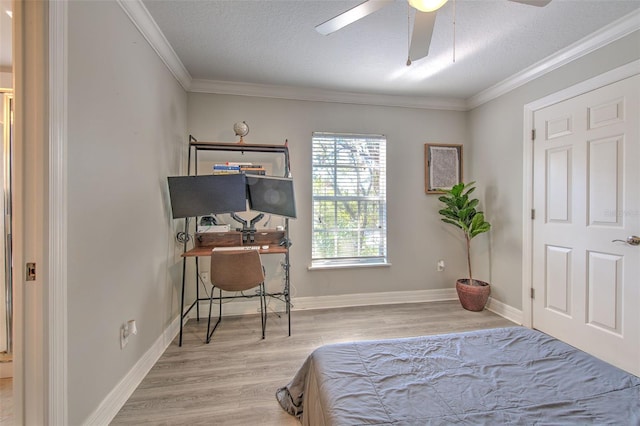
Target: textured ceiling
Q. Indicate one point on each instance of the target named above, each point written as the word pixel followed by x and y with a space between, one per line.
pixel 274 42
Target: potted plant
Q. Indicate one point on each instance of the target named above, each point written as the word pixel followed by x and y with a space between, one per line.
pixel 460 211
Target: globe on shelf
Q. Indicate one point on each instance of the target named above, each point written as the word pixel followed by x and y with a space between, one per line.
pixel 241 129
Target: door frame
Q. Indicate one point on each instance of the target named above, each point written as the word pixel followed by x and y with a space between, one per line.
pixel 40 214
pixel 609 77
pixel 56 301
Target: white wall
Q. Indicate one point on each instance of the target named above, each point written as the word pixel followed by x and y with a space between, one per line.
pixel 416 237
pixel 496 130
pixel 127 121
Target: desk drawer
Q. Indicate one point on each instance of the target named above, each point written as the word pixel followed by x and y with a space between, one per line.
pixel 218 239
pixel 268 237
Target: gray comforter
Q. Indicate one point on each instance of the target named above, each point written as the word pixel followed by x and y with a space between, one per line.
pixel 501 376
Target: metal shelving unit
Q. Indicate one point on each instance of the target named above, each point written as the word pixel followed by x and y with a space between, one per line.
pixel 194 147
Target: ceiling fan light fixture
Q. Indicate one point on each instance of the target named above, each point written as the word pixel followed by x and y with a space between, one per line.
pixel 427 5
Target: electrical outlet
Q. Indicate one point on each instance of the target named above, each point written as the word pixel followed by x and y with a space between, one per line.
pixel 204 276
pixel 127 330
pixel 440 265
pixel 124 336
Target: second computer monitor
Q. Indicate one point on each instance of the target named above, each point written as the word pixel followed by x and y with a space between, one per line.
pixel 271 195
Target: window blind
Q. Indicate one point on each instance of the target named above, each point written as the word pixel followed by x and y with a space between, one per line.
pixel 349 199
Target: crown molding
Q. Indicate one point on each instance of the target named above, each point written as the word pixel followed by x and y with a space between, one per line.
pixel 612 32
pixel 319 95
pixel 147 26
pixel 142 19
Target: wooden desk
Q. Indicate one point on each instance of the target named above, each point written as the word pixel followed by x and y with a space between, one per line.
pixel 204 243
pixel 206 251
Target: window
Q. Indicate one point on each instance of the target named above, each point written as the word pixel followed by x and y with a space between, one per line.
pixel 349 200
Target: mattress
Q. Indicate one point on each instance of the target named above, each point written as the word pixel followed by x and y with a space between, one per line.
pixel 500 376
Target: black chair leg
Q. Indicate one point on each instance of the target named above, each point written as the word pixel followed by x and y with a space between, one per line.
pixel 263 312
pixel 220 307
pixel 208 339
pixel 263 309
pixel 210 333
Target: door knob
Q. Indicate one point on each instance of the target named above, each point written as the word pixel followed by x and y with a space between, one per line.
pixel 632 240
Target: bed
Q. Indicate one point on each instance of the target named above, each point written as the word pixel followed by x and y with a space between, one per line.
pixel 508 375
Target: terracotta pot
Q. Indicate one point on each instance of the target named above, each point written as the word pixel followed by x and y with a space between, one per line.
pixel 473 297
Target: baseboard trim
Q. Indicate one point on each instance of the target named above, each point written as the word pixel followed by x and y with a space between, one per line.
pixel 116 399
pixel 366 299
pixel 119 395
pixel 247 307
pixel 504 310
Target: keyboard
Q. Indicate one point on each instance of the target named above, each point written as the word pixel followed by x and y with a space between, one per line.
pixel 235 248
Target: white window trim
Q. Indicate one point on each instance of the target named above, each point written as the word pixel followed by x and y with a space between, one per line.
pixel 353 262
pixel 317 265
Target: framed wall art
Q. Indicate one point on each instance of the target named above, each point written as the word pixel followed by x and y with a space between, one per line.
pixel 442 167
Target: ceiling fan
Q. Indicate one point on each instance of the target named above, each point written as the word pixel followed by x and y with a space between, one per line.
pixel 425 19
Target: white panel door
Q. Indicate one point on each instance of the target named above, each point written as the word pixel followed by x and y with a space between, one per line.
pixel 586 195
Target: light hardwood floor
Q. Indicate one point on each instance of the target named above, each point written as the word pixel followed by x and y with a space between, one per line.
pixel 232 380
pixel 6 402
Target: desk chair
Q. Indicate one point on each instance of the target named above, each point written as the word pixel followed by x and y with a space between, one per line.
pixel 236 271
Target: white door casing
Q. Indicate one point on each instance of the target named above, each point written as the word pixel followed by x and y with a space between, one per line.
pixel 586 193
pixel 40 329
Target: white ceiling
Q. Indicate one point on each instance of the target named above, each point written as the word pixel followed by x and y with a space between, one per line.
pixel 273 42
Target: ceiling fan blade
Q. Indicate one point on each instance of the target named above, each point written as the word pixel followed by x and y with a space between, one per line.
pixel 538 3
pixel 421 37
pixel 351 15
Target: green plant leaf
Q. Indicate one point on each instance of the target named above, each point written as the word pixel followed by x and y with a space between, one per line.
pixel 478 225
pixel 448 213
pixel 466 214
pixel 457 189
pixel 469 191
pixel 452 222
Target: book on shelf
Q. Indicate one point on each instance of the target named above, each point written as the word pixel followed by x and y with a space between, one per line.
pixel 224 169
pixel 254 169
pixel 229 168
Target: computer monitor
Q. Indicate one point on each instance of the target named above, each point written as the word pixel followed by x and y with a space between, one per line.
pixel 271 195
pixel 207 194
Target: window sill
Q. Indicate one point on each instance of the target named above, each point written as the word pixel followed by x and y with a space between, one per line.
pixel 344 265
